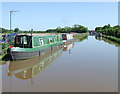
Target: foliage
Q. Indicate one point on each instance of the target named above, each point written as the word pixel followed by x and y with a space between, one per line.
pixel 108 30
pixel 76 29
pixel 16 30
pixel 3 30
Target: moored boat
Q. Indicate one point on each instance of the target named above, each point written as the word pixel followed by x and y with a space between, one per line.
pixel 68 38
pixel 27 46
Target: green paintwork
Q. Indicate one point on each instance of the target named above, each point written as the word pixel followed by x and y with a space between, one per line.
pixel 46 39
pixel 36 43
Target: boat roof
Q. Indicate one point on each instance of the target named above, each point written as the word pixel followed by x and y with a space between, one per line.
pixel 37 35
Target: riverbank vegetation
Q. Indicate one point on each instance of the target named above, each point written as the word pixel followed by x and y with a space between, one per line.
pixel 111 33
pixel 108 30
pixel 81 36
pixel 76 29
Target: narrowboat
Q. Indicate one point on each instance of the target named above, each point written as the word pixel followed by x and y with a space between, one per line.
pixel 27 46
pixel 68 38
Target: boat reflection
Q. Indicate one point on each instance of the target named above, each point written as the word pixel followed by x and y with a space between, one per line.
pixel 68 47
pixel 108 41
pixel 28 69
pixel 98 38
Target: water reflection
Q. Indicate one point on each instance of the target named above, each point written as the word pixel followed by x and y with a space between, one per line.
pixel 81 39
pixel 98 38
pixel 111 42
pixel 108 41
pixel 28 69
pixel 68 47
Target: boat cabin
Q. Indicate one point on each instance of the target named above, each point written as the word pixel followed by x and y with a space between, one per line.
pixel 28 41
pixel 67 36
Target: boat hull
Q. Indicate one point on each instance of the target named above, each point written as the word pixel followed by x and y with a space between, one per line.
pixel 66 42
pixel 21 55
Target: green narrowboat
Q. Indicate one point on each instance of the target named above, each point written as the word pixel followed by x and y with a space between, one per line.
pixel 27 46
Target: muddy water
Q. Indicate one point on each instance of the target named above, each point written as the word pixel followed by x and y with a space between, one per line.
pixel 83 66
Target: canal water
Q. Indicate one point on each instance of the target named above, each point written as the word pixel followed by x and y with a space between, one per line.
pixel 89 65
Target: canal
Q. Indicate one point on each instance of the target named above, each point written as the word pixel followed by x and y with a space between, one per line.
pixel 89 65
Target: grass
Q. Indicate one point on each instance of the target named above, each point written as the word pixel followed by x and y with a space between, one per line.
pixel 81 35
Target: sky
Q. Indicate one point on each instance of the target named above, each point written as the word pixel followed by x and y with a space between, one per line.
pixel 49 15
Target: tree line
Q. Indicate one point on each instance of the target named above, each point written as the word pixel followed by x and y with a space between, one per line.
pixel 76 29
pixel 108 30
pixel 3 30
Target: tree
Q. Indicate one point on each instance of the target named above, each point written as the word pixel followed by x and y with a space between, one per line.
pixel 98 28
pixel 67 29
pixel 106 26
pixel 16 30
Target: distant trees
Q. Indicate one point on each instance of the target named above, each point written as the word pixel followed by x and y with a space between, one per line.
pixel 76 28
pixel 108 30
pixel 79 29
pixel 3 30
pixel 8 31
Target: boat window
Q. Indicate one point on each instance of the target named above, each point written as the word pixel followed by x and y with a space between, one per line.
pixel 50 40
pixel 21 39
pixel 41 41
pixel 18 40
pixel 25 40
pixel 64 36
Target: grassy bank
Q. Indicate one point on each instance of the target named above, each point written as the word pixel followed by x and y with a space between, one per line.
pixel 81 35
pixel 112 38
